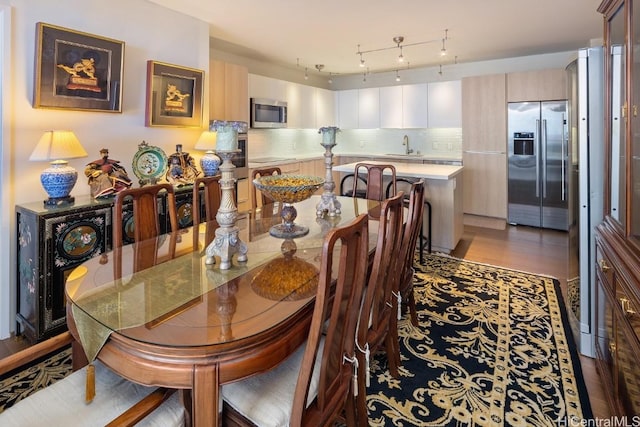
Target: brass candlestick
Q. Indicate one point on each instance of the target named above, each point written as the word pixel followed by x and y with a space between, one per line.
pixel 227 242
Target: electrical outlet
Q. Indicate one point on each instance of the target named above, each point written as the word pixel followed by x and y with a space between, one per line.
pixel 361 144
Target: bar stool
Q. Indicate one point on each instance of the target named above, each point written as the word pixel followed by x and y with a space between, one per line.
pixel 404 184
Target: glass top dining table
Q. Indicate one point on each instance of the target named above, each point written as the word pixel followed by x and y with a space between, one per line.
pixel 184 324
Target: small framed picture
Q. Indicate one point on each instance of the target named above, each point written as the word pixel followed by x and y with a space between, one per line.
pixel 174 95
pixel 77 71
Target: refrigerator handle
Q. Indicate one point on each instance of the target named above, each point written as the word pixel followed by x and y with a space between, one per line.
pixel 543 144
pixel 564 157
pixel 537 154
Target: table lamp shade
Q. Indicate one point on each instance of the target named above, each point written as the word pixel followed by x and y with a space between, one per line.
pixel 209 162
pixel 59 178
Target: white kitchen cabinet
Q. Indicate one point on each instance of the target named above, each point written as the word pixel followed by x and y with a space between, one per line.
pixel 415 104
pixel 325 108
pixel 267 87
pixel 348 109
pixel 301 106
pixel 369 108
pixel 391 107
pixel 444 109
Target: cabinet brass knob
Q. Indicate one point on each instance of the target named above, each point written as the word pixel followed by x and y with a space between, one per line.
pixel 603 266
pixel 612 347
pixel 626 307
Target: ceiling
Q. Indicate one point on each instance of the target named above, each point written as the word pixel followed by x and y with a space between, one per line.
pixel 302 33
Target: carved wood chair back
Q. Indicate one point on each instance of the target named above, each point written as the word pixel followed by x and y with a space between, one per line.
pixel 409 239
pixel 378 318
pixel 206 189
pixel 324 368
pixel 375 179
pixel 264 200
pixel 145 223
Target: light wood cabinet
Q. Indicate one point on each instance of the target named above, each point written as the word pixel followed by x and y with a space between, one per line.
pixel 484 142
pixel 538 85
pixel 485 184
pixel 229 93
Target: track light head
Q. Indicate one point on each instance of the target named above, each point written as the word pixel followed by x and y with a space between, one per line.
pixel 398 39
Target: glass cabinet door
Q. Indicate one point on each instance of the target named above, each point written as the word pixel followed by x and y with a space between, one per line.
pixel 634 193
pixel 619 115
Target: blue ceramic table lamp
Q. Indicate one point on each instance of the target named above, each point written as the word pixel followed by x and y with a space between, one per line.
pixel 209 162
pixel 59 178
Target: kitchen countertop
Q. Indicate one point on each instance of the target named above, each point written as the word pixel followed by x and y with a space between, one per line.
pixel 267 161
pixel 415 170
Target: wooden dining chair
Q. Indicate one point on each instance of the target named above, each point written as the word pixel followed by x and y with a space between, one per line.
pixel 409 240
pixel 142 224
pixel 404 184
pixel 118 402
pixel 378 325
pixel 207 196
pixel 311 387
pixel 375 179
pixel 264 200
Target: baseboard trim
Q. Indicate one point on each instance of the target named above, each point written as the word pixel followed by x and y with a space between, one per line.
pixel 485 222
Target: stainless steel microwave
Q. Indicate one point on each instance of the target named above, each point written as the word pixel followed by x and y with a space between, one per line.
pixel 268 113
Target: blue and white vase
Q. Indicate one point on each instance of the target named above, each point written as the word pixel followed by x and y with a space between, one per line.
pixel 210 163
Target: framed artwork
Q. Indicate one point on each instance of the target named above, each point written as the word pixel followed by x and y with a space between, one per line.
pixel 77 71
pixel 174 95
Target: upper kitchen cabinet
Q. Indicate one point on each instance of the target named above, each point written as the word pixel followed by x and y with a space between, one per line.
pixel 415 106
pixel 348 109
pixel 325 108
pixel 229 95
pixel 301 106
pixel 484 113
pixel 369 108
pixel 391 107
pixel 444 107
pixel 267 87
pixel 539 85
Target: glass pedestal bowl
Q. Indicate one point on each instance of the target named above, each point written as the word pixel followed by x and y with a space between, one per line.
pixel 288 189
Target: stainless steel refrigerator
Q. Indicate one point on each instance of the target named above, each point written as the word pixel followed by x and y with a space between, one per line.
pixel 585 77
pixel 537 165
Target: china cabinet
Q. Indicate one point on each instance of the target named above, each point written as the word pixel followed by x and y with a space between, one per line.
pixel 618 236
pixel 53 241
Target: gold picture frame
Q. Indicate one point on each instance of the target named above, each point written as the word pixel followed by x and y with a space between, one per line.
pixel 77 71
pixel 174 95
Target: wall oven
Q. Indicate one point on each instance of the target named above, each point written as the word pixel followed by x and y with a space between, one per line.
pixel 241 159
pixel 268 113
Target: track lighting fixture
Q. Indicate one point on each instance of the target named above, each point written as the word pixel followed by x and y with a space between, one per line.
pixel 397 76
pixel 400 44
pixel 330 81
pixel 306 74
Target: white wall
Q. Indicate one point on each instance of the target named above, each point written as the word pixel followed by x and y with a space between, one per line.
pixel 150 32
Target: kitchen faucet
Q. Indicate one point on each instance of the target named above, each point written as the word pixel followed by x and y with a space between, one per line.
pixel 405 141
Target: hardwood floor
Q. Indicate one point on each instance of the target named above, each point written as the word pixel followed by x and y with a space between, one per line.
pixel 537 251
pixel 517 247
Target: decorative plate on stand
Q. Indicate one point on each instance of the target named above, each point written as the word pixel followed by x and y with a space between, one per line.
pixel 149 164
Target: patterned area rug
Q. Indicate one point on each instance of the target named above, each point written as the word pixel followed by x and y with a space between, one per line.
pixel 21 382
pixel 493 348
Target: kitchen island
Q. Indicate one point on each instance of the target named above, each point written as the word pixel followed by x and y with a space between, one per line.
pixel 443 189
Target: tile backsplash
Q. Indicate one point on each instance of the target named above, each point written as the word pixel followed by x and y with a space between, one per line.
pixel 437 142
